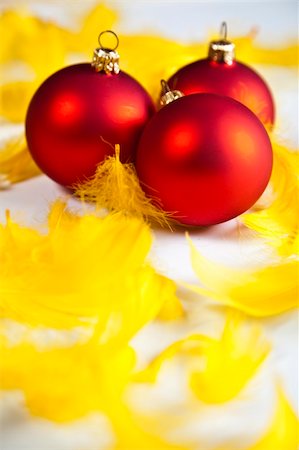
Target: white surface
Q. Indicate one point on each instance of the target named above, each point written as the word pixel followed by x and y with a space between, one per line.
pixel 28 202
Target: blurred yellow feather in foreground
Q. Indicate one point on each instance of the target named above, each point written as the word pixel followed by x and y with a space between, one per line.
pixel 283 432
pixel 258 292
pixel 16 163
pixel 279 222
pixel 65 383
pixel 84 270
pixel 70 382
pixel 235 356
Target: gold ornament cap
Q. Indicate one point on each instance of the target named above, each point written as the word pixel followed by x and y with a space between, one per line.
pixel 222 51
pixel 168 95
pixel 106 59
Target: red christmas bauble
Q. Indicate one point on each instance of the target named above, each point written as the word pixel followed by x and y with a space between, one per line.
pixel 77 115
pixel 235 80
pixel 206 157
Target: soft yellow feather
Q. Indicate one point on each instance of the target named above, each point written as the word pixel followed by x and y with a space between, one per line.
pixel 85 269
pixel 65 383
pixel 237 355
pixel 16 163
pixel 115 186
pixel 279 222
pixel 259 292
pixel 283 432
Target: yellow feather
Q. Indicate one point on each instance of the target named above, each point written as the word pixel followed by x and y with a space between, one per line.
pixel 283 432
pixel 250 52
pixel 97 19
pixel 66 383
pixel 33 50
pixel 37 42
pixel 258 292
pixel 166 58
pixel 85 269
pixel 279 222
pixel 14 99
pixel 172 308
pixel 16 163
pixel 237 354
pixel 130 434
pixel 193 345
pixel 63 384
pixel 115 186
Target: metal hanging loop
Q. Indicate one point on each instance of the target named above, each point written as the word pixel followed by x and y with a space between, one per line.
pixel 109 32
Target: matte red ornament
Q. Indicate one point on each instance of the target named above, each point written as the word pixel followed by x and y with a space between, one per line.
pixel 205 157
pixel 77 116
pixel 221 74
